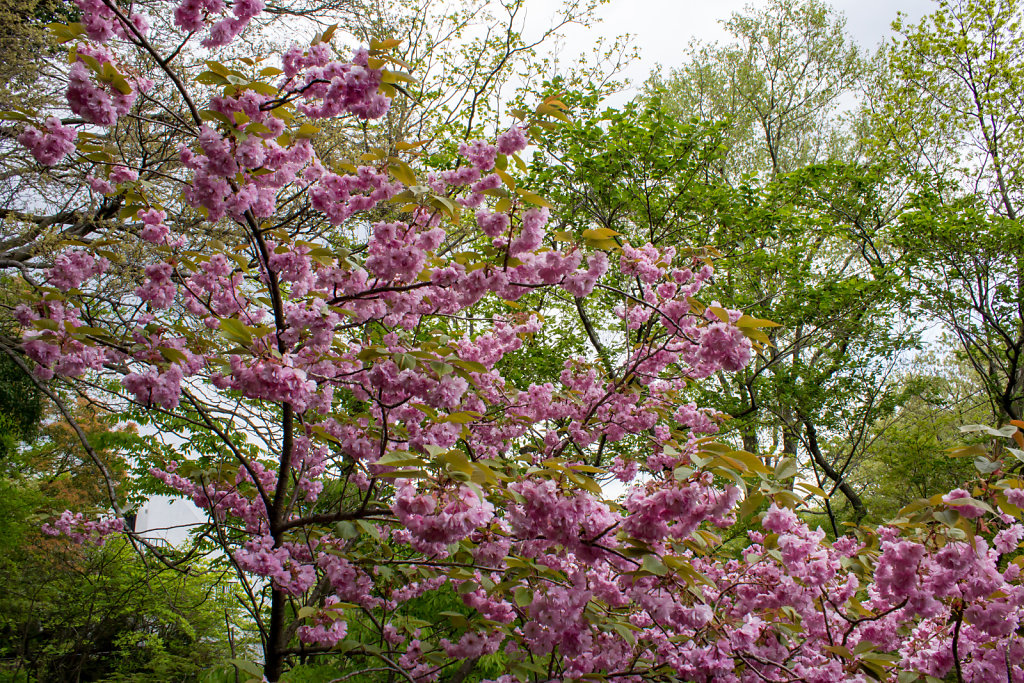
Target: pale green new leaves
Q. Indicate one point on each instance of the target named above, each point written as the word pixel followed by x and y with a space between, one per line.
pixel 950 95
pixel 778 85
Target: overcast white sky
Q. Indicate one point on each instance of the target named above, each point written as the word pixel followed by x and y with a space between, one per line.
pixel 663 28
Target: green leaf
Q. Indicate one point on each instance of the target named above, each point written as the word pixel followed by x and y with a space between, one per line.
pixel 547 109
pixel 248 667
pixel 210 78
pixel 404 146
pixel 441 368
pixel 388 76
pixel 625 632
pixel 947 517
pixel 401 459
pixel 217 68
pixel 654 565
pixel 403 474
pixel 236 330
pixel 173 355
pixel 786 469
pixel 719 313
pixel 534 199
pixel 306 131
pixel 986 466
pixel 599 234
pixel 1005 431
pixel 402 172
pixel 369 528
pixel 461 417
pixel 384 44
pixel 747 321
pixel 211 115
pixel 469 365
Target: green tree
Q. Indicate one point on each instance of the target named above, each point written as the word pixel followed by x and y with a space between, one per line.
pixel 907 453
pixel 805 229
pixel 809 249
pixel 86 613
pixel 21 408
pixel 103 614
pixel 945 108
pixel 778 86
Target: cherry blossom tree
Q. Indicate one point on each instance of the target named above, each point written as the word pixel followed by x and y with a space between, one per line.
pixel 348 420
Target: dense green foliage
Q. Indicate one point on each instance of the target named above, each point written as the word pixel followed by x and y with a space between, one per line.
pixel 71 612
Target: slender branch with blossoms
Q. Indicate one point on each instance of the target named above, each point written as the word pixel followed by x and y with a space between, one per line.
pixel 396 462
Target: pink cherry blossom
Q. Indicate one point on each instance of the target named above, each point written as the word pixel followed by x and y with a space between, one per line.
pixel 51 146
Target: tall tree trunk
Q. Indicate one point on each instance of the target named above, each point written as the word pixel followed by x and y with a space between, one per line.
pixel 273 648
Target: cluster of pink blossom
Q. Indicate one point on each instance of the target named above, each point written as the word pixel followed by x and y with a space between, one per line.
pixel 272 379
pixel 397 251
pixel 213 292
pixel 557 619
pixel 433 527
pixel 155 387
pixel 480 154
pixel 328 627
pixel 73 267
pixel 154 229
pixel 331 88
pixel 103 103
pixel 227 29
pixel 580 523
pixel 473 644
pixel 55 346
pixel 349 581
pixel 677 509
pixel 512 141
pixel 101 22
pixel 51 146
pixel 81 530
pixel 122 174
pixel 698 420
pixel 223 498
pixel 493 607
pixel 222 157
pixel 279 563
pixel 159 382
pixel 193 15
pixel 339 197
pixel 159 289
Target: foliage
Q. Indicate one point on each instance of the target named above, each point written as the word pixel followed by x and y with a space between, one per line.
pixel 809 249
pixel 944 109
pixel 102 614
pixel 20 408
pixel 777 87
pixel 807 229
pixel 24 45
pixel 73 613
pixel 907 454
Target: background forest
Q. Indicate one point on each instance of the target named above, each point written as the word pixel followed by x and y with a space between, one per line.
pixel 864 202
